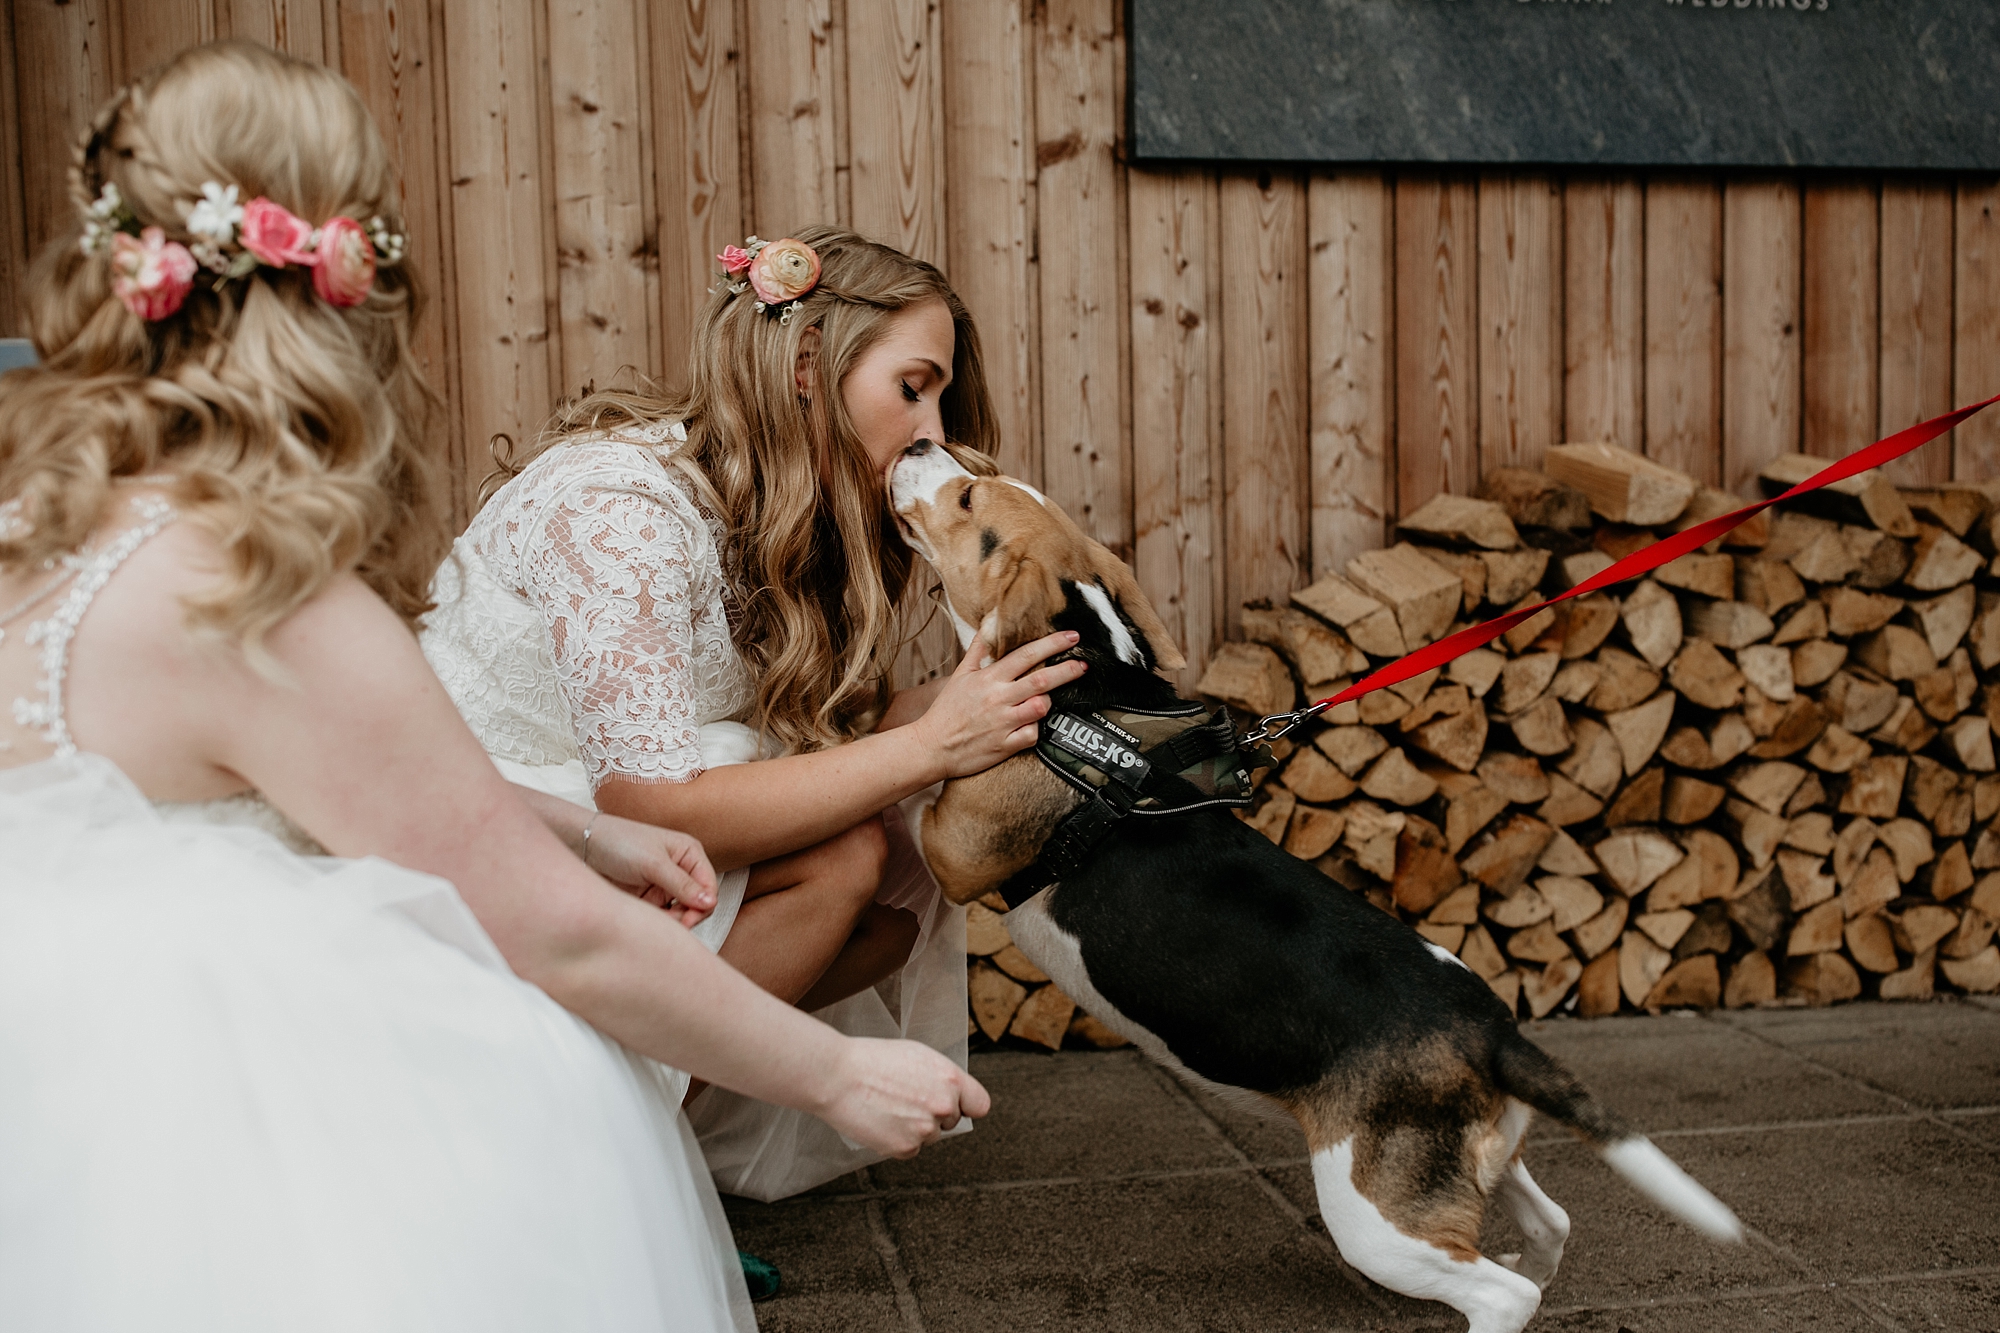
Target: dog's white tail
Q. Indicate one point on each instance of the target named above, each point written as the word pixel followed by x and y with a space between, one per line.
pixel 1653 1174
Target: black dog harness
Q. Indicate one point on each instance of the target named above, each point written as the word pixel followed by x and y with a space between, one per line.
pixel 1133 761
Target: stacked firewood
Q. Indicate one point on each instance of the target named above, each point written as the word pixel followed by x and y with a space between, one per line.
pixel 1764 773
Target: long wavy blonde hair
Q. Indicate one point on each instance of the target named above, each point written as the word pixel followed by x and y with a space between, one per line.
pixel 291 428
pixel 821 577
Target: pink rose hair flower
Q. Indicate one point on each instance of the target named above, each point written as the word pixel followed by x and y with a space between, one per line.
pixel 345 270
pixel 273 234
pixel 151 275
pixel 734 259
pixel 783 271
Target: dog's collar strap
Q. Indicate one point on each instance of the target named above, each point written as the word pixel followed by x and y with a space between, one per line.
pixel 1071 844
pixel 1191 763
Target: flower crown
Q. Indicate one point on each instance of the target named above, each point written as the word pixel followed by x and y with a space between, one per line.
pixel 153 275
pixel 780 272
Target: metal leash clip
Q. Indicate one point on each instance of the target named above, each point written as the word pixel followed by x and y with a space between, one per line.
pixel 1278 724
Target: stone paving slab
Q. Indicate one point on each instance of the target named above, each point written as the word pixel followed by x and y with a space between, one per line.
pixel 1051 1120
pixel 1986 1124
pixel 1860 1145
pixel 1782 1311
pixel 1954 1304
pixel 1261 1133
pixel 1856 1200
pixel 1677 1071
pixel 1199 1252
pixel 1935 1055
pixel 834 1276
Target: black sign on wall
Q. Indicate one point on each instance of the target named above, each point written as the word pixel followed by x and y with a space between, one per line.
pixel 1879 84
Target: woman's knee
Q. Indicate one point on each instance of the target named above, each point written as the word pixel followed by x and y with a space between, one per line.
pixel 846 868
pixel 859 855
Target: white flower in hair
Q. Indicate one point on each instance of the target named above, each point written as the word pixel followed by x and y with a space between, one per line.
pixel 388 244
pixel 214 219
pixel 216 215
pixel 101 219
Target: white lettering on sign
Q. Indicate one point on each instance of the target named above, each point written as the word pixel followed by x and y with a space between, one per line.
pixel 1792 6
pixel 1798 6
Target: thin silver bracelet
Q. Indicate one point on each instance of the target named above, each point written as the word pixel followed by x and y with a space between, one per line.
pixel 585 853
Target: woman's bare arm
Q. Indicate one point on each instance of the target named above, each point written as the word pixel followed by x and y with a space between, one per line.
pixel 662 866
pixel 362 747
pixel 565 819
pixel 745 813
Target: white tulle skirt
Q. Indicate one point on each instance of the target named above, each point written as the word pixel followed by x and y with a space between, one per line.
pixel 242 1089
pixel 767 1152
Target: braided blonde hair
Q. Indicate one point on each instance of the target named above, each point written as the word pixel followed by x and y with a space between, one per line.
pixel 291 428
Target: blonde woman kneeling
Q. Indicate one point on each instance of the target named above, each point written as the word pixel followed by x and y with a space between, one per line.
pixel 678 583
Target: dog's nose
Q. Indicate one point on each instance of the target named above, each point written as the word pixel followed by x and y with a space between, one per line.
pixel 919 449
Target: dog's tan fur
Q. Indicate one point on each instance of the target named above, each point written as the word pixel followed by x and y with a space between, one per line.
pixel 1011 590
pixel 1003 555
pixel 1394 1166
pixel 973 847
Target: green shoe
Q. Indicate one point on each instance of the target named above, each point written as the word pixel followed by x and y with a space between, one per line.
pixel 760 1277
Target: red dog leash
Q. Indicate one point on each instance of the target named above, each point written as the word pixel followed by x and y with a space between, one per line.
pixel 1632 566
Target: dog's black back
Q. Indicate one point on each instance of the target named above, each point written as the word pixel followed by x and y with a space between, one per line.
pixel 1297 975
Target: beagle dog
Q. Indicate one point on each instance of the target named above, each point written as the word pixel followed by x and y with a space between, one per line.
pixel 1242 969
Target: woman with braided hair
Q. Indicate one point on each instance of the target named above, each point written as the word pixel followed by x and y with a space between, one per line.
pixel 680 582
pixel 308 1021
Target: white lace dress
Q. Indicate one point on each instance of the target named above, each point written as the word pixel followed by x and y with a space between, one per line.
pixel 583 630
pixel 249 1089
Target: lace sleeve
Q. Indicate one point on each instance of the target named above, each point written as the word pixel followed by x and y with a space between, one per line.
pixel 613 571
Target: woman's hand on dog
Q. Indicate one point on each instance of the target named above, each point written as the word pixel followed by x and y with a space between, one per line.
pixel 661 866
pixel 897 1096
pixel 987 712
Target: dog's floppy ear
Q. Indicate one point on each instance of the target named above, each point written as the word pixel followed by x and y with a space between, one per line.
pixel 1116 576
pixel 1025 607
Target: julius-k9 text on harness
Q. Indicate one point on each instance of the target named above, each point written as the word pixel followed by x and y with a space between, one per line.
pixel 1133 762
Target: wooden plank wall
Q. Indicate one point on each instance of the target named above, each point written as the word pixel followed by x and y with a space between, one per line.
pixel 1237 378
